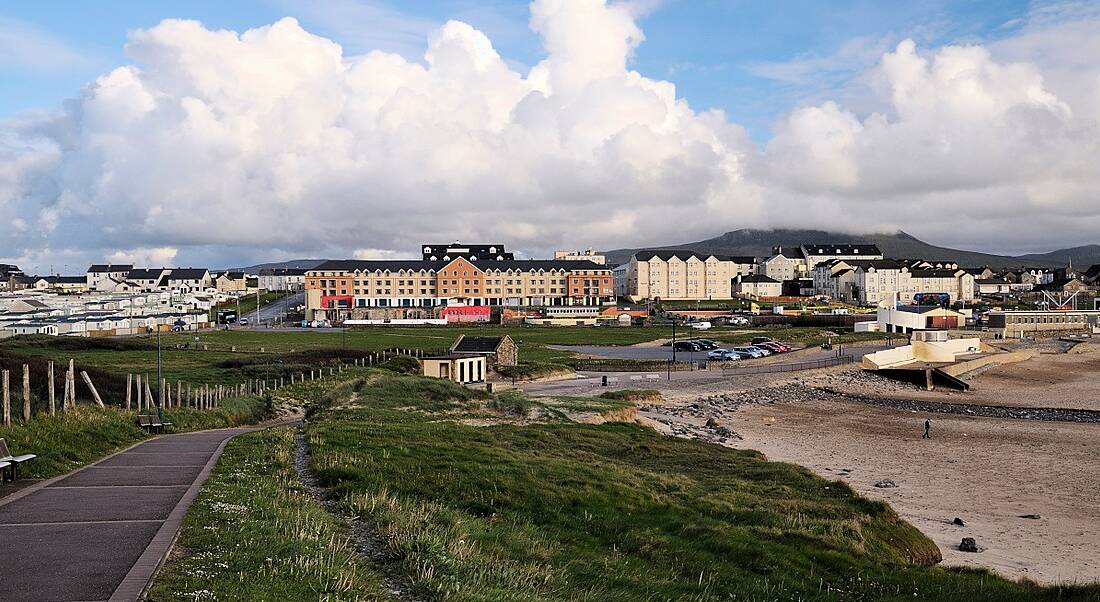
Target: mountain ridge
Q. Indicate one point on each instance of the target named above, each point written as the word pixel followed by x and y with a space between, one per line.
pixel 899 245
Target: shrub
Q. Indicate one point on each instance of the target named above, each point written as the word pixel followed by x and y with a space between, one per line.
pixel 402 364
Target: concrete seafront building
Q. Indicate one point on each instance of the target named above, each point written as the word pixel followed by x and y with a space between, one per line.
pixel 453 275
pixel 680 274
pixel 1019 324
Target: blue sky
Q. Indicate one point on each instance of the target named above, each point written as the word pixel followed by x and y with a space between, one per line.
pixel 754 60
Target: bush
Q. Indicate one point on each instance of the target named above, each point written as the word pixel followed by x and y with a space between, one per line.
pixel 402 364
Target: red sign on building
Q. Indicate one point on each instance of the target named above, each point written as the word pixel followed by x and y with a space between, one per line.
pixel 457 314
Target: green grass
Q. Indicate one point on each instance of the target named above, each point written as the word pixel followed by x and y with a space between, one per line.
pixel 72 439
pixel 548 511
pixel 564 511
pixel 255 533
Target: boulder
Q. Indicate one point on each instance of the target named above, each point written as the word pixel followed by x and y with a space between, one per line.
pixel 886 484
pixel 711 422
pixel 969 544
pixel 958 521
pixel 1031 516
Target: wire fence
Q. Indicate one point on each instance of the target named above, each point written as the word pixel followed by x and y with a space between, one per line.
pixel 734 370
pixel 729 368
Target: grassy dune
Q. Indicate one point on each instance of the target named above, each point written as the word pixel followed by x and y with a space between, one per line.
pixel 472 497
pixel 611 512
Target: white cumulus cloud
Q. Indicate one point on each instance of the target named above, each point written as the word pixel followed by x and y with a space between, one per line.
pixel 228 145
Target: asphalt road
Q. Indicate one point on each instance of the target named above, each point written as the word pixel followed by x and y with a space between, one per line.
pixel 85 536
pixel 269 313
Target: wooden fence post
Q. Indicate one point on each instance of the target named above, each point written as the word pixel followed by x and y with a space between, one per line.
pixel 65 394
pixel 7 401
pixel 26 393
pixel 138 390
pixel 162 400
pixel 95 394
pixel 51 386
pixel 129 389
pixel 71 403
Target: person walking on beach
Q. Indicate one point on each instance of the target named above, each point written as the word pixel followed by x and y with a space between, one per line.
pixel 927 428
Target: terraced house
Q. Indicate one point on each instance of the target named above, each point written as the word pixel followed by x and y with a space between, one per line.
pixel 339 289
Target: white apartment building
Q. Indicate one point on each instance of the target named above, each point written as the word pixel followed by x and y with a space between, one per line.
pixel 586 255
pixel 100 275
pixel 789 263
pixel 680 275
pixel 872 282
pixel 283 279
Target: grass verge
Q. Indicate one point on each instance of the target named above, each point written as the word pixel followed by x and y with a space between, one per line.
pixel 256 533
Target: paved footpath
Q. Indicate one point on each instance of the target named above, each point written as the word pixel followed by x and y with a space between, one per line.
pixel 100 533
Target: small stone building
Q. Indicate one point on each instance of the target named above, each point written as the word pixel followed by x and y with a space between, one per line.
pixel 499 351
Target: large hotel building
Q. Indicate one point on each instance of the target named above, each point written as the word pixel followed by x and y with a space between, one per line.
pixel 448 275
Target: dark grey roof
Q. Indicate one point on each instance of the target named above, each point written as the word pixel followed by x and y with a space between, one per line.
pixel 145 273
pixel 477 344
pixel 283 272
pixel 684 255
pixel 541 264
pixel 457 249
pixel 415 265
pixel 187 273
pixel 232 275
pixel 759 278
pixel 933 273
pixel 63 279
pixel 111 267
pixel 842 249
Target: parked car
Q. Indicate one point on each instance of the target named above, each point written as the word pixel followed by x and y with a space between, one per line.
pixel 738 321
pixel 706 344
pixel 752 351
pixel 744 355
pixel 723 355
pixel 686 346
pixel 776 347
pixel 243 322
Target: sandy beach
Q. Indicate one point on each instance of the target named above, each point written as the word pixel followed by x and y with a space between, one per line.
pixel 989 472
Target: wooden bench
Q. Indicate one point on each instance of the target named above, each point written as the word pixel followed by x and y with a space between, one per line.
pixel 151 423
pixel 9 463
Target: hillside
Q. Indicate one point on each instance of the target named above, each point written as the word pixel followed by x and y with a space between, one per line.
pixel 899 245
pixel 1082 257
pixel 290 263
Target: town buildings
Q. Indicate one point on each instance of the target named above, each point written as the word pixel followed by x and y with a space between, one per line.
pixel 102 277
pixel 450 275
pixel 282 279
pixel 757 286
pixel 789 263
pixel 670 275
pixel 877 281
pixel 1020 324
pixel 586 255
